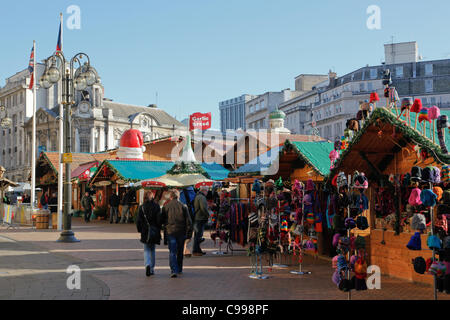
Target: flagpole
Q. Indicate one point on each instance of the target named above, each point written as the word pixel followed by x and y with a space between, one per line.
pixel 61 145
pixel 33 134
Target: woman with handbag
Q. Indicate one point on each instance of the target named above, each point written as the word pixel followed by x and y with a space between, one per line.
pixel 148 224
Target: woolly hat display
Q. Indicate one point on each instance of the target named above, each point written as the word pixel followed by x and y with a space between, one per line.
pixel 336 239
pixel 436 175
pixel 406 103
pixel 446 197
pixel 256 186
pixel 415 243
pixel 423 115
pixel 342 263
pixel 374 97
pixel 310 185
pixel 360 243
pixel 416 174
pixel 420 266
pixel 341 180
pixel 334 262
pixel 437 269
pixel 362 223
pixel 434 113
pixel 428 198
pixel 417 106
pixel 350 223
pixel 446 242
pixel 361 182
pixel 336 278
pixel 418 222
pixel 438 192
pixel 434 242
pixel 414 198
pixel 427 174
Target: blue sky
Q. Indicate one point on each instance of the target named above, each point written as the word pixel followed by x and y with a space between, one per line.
pixel 199 52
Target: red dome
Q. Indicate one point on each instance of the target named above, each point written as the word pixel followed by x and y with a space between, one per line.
pixel 132 138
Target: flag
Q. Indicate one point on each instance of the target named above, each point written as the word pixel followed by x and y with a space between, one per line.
pixel 31 69
pixel 59 43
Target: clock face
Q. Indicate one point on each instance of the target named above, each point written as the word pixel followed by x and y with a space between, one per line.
pixel 84 107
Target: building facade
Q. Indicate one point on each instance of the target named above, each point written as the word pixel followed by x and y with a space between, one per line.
pixel 97 123
pixel 232 113
pixel 326 108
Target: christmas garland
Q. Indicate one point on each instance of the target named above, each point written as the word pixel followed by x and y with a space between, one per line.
pixel 188 168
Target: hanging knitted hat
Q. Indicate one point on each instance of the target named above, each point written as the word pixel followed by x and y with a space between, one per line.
pixel 342 263
pixel 336 278
pixel 414 198
pixel 415 243
pixel 436 175
pixel 417 106
pixel 418 222
pixel 336 239
pixel 341 180
pixel 438 192
pixel 310 185
pixel 427 174
pixel 353 259
pixel 310 218
pixel 374 97
pixel 361 182
pixel 362 223
pixel 406 103
pixel 420 266
pixel 428 198
pixel 416 174
pixel 434 113
pixel 350 223
pixel 360 268
pixel 256 186
pixel 433 242
pixel 423 115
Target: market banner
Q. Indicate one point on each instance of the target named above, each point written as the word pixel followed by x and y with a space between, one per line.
pixel 201 121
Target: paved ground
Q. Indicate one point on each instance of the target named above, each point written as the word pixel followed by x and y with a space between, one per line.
pixel 33 266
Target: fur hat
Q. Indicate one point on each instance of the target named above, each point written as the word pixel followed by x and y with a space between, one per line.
pixel 428 198
pixel 334 262
pixel 415 243
pixel 361 182
pixel 342 263
pixel 436 176
pixel 416 174
pixel 438 192
pixel 427 174
pixel 417 106
pixel 336 278
pixel 420 266
pixel 406 103
pixel 362 223
pixel 418 222
pixel 434 112
pixel 414 198
pixel 336 239
pixel 374 97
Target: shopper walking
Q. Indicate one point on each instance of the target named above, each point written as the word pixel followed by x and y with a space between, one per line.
pixel 201 218
pixel 53 203
pixel 178 225
pixel 114 202
pixel 148 224
pixel 87 203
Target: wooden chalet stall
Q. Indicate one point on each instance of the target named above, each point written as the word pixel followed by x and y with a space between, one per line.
pixel 385 149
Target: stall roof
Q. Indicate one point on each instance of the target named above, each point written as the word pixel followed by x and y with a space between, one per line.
pixel 259 164
pixel 132 171
pixel 82 168
pixel 382 136
pixel 316 154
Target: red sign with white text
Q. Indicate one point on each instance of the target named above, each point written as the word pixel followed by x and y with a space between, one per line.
pixel 201 121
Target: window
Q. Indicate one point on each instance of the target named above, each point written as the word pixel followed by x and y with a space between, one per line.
pixel 429 85
pixel 369 86
pixel 373 73
pixel 433 100
pixel 84 144
pixel 362 87
pixel 429 69
pixel 399 72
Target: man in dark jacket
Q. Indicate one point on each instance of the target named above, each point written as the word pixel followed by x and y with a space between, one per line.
pixel 178 225
pixel 114 202
pixel 44 201
pixel 201 218
pixel 148 224
pixel 87 203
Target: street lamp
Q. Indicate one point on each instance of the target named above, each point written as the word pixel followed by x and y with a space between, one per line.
pixel 72 80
